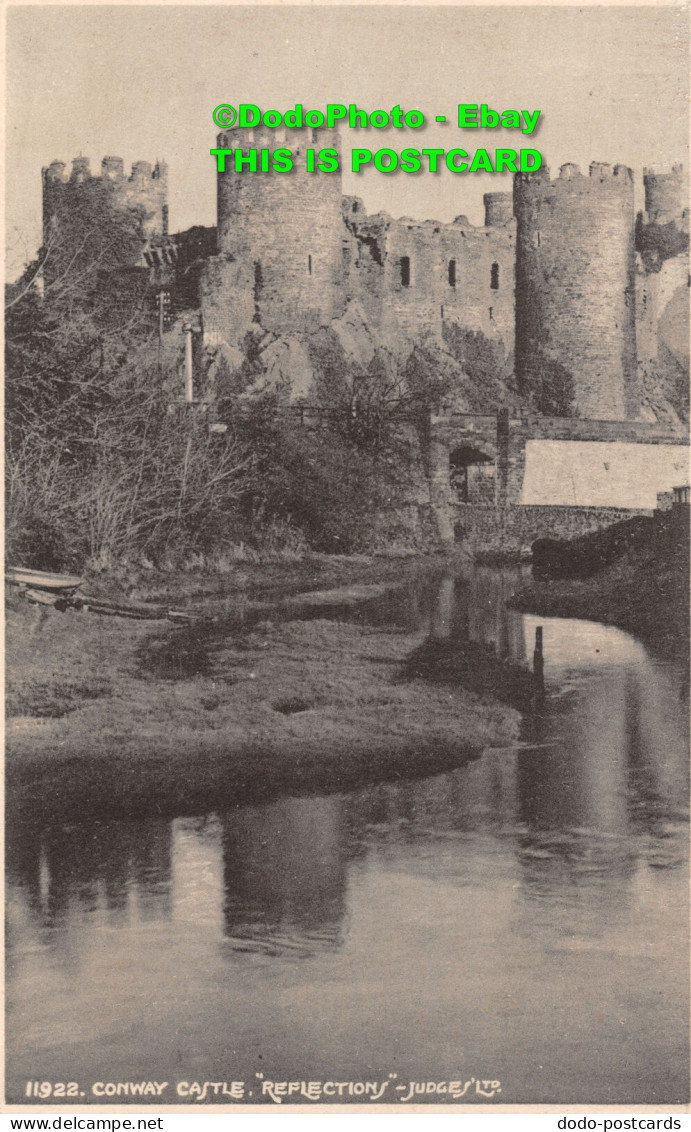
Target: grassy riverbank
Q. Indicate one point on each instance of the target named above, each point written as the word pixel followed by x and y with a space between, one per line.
pixel 645 590
pixel 117 717
pixel 258 577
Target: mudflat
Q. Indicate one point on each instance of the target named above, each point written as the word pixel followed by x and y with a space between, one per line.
pixel 123 717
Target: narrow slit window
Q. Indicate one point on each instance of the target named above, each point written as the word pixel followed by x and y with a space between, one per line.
pixel 309 264
pixel 494 277
pixel 452 273
pixel 491 314
pixel 405 271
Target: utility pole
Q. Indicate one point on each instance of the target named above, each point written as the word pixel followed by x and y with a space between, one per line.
pixel 189 372
pixel 163 311
pixel 160 328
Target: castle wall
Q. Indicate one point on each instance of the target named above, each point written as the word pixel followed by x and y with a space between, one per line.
pixel 563 462
pixel 575 285
pixel 227 301
pixel 488 531
pixel 484 296
pixel 657 293
pixel 601 474
pixel 365 248
pixel 412 309
pixel 290 253
pixel 413 276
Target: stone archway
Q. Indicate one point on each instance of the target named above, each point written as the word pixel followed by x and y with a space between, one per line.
pixel 472 474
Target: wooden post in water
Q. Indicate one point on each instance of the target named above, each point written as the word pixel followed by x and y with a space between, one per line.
pixel 539 661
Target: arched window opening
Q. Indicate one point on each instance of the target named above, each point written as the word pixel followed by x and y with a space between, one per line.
pixel 494 277
pixel 452 273
pixel 405 271
pixel 471 475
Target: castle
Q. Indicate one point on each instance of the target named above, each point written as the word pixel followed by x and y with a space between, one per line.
pixel 562 270
pixel 563 280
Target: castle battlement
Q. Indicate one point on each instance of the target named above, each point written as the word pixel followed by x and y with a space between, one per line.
pixel 279 137
pixel 112 169
pixel 550 274
pixel 82 199
pixel 601 177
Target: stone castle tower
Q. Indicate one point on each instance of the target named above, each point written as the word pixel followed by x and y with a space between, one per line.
pixel 575 284
pixel 662 280
pixel 280 241
pixel 664 195
pixel 293 254
pixel 78 202
pixel 561 270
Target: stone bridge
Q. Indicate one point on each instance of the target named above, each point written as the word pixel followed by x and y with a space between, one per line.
pixel 528 476
pixel 500 482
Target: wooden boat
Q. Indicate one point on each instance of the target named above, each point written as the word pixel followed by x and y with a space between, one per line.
pixel 43 588
pixel 42 580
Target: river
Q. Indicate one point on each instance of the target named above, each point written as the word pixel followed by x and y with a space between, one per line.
pixel 519 925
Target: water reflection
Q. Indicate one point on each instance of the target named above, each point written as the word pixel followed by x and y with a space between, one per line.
pixel 105 869
pixel 472 606
pixel 285 873
pixel 534 885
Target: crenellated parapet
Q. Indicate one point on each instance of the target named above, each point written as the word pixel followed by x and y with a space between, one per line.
pixel 272 138
pixel 79 202
pixel 602 179
pixel 560 270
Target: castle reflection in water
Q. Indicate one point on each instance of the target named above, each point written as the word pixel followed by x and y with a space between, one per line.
pixel 522 918
pixel 596 798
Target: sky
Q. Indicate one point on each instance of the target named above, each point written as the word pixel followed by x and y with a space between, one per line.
pixel 141 82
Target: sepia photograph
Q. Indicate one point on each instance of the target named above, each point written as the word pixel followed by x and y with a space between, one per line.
pixel 347 500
